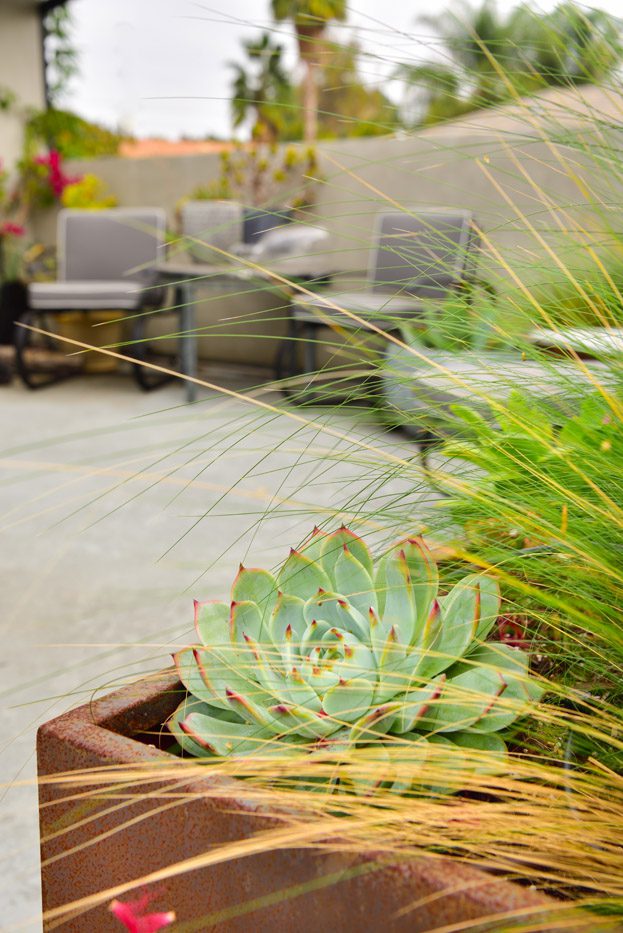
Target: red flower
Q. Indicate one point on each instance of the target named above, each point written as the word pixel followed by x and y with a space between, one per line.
pixel 132 915
pixel 9 229
pixel 57 179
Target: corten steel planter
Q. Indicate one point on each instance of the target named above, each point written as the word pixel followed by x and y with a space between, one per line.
pixel 86 850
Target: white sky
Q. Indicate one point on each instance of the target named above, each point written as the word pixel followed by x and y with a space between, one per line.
pixel 159 67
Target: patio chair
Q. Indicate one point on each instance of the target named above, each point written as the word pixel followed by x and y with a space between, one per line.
pixel 419 260
pixel 106 262
pixel 207 224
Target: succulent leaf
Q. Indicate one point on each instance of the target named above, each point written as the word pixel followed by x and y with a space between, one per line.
pixel 465 699
pixel 353 580
pixel 335 611
pixel 424 582
pixel 221 738
pixel 287 624
pixel 190 705
pixel 209 619
pixel 245 619
pixel 312 547
pixel 416 704
pixel 348 699
pixel 302 577
pixel 333 545
pixel 255 586
pixel 465 612
pixel 491 746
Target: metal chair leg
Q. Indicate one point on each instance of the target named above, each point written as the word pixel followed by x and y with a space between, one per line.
pixel 23 343
pixel 286 359
pixel 144 377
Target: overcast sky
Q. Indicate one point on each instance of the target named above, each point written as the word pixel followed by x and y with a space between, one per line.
pixel 159 67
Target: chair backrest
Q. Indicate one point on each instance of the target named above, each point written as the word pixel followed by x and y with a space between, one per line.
pixel 215 223
pixel 423 253
pixel 120 243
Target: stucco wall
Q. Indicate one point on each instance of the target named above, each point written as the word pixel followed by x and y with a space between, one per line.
pixel 20 70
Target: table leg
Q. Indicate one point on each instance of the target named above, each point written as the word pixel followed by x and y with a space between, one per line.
pixel 188 339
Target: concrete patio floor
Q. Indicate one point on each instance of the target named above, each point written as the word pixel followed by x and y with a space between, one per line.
pixel 117 509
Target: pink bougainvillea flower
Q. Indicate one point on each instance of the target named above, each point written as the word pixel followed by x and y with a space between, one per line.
pixel 57 179
pixel 10 229
pixel 132 915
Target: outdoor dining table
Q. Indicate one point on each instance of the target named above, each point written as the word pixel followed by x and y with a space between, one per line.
pixel 185 278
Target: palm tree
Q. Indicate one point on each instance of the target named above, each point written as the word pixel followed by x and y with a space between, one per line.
pixel 580 45
pixel 310 18
pixel 489 57
pixel 261 89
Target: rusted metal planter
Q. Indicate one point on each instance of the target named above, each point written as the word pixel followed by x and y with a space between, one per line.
pixel 92 842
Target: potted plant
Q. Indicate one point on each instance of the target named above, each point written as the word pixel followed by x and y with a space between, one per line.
pixel 255 176
pixel 366 672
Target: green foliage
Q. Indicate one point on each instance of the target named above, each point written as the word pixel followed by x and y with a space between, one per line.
pixel 334 654
pixel 7 98
pixel 310 19
pixel 263 89
pixel 547 505
pixel 60 54
pixel 258 175
pixel 489 57
pixel 581 296
pixel 309 15
pixel 346 106
pixel 87 193
pixel 71 135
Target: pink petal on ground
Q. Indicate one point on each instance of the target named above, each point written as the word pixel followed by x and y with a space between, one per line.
pixel 131 915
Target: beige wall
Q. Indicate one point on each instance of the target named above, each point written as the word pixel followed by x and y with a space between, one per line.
pixel 21 70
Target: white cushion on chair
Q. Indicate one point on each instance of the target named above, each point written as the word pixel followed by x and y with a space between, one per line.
pixel 85 296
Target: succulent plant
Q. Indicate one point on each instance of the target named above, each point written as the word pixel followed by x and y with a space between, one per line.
pixel 334 654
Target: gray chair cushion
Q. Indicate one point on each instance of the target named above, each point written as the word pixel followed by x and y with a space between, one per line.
pixel 86 295
pixel 375 307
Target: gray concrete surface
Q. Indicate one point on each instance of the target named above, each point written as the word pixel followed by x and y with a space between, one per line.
pixel 117 509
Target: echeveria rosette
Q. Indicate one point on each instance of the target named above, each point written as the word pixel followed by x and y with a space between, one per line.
pixel 336 654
